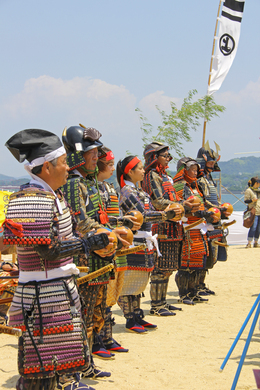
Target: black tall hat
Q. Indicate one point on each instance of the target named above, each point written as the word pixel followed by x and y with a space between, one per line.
pixel 32 144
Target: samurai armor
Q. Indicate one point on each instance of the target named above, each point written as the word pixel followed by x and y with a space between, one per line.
pixel 53 339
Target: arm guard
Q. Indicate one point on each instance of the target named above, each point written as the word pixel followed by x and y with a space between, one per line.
pixel 120 221
pixel 61 249
pixel 76 194
pixel 204 214
pixel 159 216
pixel 152 184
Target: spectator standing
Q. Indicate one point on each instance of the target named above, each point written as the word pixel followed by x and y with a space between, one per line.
pixel 252 200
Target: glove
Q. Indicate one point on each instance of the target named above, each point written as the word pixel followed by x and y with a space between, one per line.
pixel 209 217
pixel 95 241
pixel 170 214
pixel 126 222
pixel 222 210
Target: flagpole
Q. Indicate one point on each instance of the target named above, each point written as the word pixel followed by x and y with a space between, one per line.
pixel 210 68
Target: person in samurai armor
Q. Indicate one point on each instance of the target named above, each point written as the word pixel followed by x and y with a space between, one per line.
pixel 53 347
pixel 208 160
pixel 130 172
pixel 109 197
pixel 159 185
pixel 195 244
pixel 82 193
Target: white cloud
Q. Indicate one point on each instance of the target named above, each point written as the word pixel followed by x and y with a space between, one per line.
pixel 52 104
pixel 250 94
pixel 49 103
pixel 158 98
pixel 78 92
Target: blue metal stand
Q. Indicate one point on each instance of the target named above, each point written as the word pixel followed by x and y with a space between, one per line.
pixel 249 337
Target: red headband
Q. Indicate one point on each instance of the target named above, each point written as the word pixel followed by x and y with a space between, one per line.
pixel 128 168
pixel 110 156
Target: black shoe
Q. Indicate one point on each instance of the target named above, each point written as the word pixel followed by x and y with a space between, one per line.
pixel 161 311
pixel 98 374
pixel 203 293
pixel 114 346
pixel 99 350
pixel 132 325
pixel 139 315
pixel 210 292
pixel 203 290
pixel 171 307
pixel 187 300
pixel 198 299
pixel 74 384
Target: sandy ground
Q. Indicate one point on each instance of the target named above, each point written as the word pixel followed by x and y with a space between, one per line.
pixel 187 350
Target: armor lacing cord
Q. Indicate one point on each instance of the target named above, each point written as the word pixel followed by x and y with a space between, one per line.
pixel 37 288
pixel 25 318
pixel 70 297
pixel 190 242
pixel 167 187
pixel 102 213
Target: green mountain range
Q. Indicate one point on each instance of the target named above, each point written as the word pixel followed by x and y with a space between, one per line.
pixel 235 174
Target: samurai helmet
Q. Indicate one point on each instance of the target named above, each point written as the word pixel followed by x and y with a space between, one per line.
pixel 78 140
pixel 186 162
pixel 151 153
pixel 207 154
pixel 81 139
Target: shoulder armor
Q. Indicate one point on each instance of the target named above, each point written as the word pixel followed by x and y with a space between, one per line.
pixel 179 186
pixel 70 191
pixel 33 210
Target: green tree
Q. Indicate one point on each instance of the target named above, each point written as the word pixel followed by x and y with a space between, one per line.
pixel 177 125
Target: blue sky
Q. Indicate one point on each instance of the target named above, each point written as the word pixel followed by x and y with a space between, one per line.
pixel 94 62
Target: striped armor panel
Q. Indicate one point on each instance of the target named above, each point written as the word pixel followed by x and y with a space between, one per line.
pixel 111 204
pixel 71 191
pixel 170 234
pixel 209 190
pixel 133 198
pixel 79 191
pixel 36 211
pixel 195 245
pixel 53 340
pixel 48 312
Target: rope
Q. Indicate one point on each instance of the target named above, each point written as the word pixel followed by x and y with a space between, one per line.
pixel 232 193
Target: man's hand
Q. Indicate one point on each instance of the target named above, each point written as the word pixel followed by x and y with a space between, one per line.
pixel 175 208
pixel 8 267
pixel 192 207
pixel 122 235
pixel 135 225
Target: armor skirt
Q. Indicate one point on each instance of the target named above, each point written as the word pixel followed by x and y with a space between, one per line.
pixel 170 236
pixel 194 250
pixel 135 282
pixel 53 338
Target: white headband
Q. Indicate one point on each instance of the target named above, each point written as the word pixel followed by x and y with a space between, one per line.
pixel 48 157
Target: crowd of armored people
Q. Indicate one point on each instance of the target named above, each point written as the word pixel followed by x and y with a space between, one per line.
pixel 84 246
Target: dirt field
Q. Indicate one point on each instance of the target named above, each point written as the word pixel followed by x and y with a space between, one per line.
pixel 187 350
